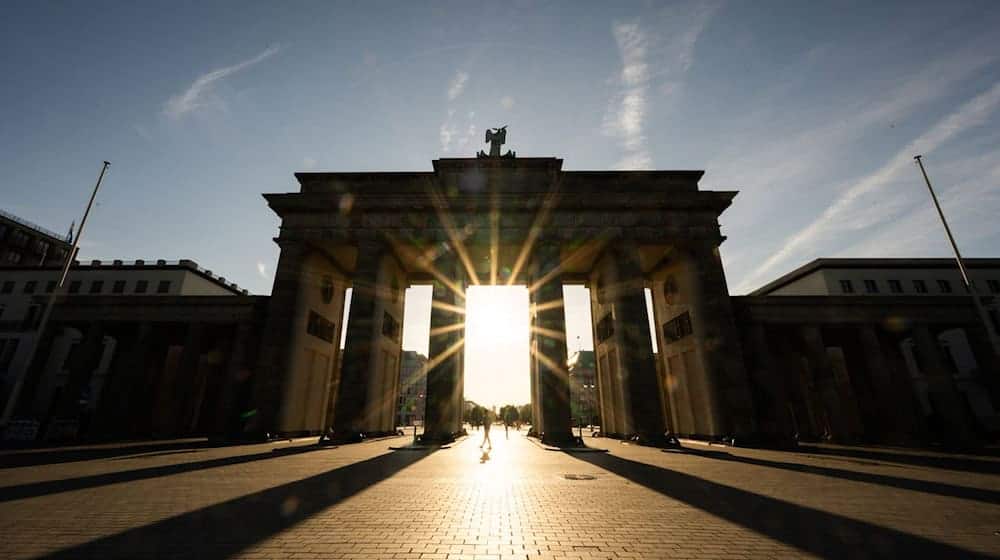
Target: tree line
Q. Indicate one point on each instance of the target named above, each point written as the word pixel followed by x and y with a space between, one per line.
pixel 509 414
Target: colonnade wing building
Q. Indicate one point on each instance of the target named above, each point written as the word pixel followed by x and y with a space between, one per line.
pixel 891 367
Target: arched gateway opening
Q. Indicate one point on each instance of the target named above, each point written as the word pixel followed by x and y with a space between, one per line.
pixel 508 222
pixel 497 346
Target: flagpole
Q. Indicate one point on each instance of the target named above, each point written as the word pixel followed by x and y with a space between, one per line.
pixel 991 332
pixel 43 322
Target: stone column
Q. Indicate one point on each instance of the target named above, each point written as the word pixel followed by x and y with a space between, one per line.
pixel 228 421
pixel 668 398
pixel 186 385
pixel 826 384
pixel 85 359
pixel 770 377
pixel 277 340
pixel 354 409
pixel 443 402
pixel 549 336
pixel 605 394
pixel 632 326
pixel 987 360
pixel 728 385
pixel 892 402
pixel 126 383
pixel 947 401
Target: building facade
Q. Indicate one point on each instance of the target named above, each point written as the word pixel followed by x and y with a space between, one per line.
pixel 24 244
pixel 181 289
pixel 885 277
pixel 875 350
pixel 843 350
pixel 412 389
pixel 583 388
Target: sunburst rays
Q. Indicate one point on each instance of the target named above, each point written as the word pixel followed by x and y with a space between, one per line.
pixel 457 241
pixel 438 331
pixel 541 217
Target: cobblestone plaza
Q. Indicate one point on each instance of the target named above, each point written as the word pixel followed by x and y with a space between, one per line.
pixel 293 499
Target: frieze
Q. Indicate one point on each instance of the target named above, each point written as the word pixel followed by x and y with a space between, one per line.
pixel 481 220
pixel 667 234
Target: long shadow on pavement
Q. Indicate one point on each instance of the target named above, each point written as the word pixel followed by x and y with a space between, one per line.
pixel 225 529
pixel 968 464
pixel 47 487
pixel 926 486
pixel 52 455
pixel 818 532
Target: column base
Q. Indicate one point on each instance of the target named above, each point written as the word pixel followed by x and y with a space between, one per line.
pixel 662 441
pixel 439 438
pixel 561 439
pixel 340 438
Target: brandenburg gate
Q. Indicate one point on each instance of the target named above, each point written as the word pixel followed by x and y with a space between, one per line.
pixel 500 220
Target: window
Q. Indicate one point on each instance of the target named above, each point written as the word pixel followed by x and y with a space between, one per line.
pixel 13 257
pixel 895 286
pixel 605 328
pixel 50 286
pixel 994 286
pixel 390 326
pixel 19 238
pixel 163 287
pixel 96 286
pixel 320 327
pixel 846 287
pixel 141 286
pixel 74 286
pixel 29 321
pixel 677 328
pixel 118 287
pixel 7 349
pixel 871 287
pixel 8 287
pixel 920 286
pixel 41 247
pixel 30 286
pixel 944 286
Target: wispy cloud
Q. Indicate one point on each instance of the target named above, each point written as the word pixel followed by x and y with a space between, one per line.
pixel 967 190
pixel 193 97
pixel 858 207
pixel 818 145
pixel 627 117
pixel 456 136
pixel 651 61
pixel 262 269
pixel 453 135
pixel 457 85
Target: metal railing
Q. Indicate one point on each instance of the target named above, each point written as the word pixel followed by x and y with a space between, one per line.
pixel 28 224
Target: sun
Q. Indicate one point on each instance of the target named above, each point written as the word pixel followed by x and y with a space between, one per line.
pixel 496 345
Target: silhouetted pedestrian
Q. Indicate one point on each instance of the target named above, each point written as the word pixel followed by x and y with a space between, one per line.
pixel 486 431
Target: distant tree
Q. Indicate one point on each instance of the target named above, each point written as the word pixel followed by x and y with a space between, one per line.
pixel 475 415
pixel 524 413
pixel 509 414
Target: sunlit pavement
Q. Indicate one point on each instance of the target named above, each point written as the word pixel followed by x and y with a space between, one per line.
pixel 293 500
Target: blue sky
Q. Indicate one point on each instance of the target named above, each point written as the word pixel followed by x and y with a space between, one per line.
pixel 813 111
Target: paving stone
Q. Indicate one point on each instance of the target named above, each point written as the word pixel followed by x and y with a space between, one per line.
pixel 294 500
